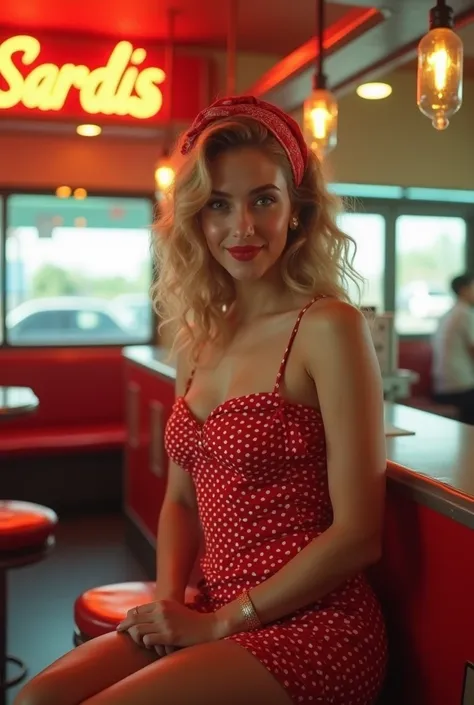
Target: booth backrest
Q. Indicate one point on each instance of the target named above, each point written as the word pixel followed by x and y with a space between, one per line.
pixel 74 385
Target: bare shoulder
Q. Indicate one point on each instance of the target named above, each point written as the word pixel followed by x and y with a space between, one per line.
pixel 338 348
pixel 329 320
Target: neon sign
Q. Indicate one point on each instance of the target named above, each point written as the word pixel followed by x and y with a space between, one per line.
pixel 118 88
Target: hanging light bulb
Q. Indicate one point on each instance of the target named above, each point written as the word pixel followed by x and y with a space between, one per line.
pixel 440 67
pixel 320 121
pixel 320 109
pixel 164 175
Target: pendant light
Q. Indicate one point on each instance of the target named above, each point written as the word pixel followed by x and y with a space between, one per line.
pixel 320 109
pixel 164 172
pixel 440 68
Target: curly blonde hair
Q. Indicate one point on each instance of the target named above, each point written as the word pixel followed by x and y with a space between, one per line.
pixel 191 291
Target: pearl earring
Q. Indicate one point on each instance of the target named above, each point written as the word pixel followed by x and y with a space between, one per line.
pixel 294 223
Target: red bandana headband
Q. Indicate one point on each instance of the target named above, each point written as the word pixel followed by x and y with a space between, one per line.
pixel 282 126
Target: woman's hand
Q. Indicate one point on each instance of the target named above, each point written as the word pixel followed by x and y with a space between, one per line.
pixel 164 594
pixel 169 623
pixel 163 650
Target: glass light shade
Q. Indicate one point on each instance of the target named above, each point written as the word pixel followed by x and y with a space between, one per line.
pixel 164 175
pixel 320 121
pixel 439 80
pixel 374 90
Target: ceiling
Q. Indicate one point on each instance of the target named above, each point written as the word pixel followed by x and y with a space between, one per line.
pixel 268 26
pixel 362 41
pixel 388 43
pixel 467 35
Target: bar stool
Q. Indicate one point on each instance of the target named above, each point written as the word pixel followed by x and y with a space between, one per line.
pixel 98 611
pixel 27 535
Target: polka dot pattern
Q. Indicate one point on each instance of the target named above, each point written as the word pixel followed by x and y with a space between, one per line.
pixel 260 470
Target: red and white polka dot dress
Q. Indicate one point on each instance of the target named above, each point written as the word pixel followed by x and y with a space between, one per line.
pixel 259 466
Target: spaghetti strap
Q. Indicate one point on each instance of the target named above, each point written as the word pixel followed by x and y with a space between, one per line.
pixel 190 381
pixel 286 354
pixel 193 371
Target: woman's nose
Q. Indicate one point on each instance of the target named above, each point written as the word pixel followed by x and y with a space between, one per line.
pixel 244 226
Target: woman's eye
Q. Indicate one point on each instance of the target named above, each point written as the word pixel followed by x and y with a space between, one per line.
pixel 264 201
pixel 216 205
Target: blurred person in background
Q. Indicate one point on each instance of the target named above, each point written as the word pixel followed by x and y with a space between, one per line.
pixel 453 351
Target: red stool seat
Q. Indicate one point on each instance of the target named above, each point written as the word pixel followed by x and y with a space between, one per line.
pixel 24 525
pixel 99 610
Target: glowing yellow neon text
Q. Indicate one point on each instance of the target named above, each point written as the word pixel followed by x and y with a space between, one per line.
pixel 118 88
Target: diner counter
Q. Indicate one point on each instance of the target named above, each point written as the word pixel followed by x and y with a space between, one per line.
pixel 434 464
pixel 151 358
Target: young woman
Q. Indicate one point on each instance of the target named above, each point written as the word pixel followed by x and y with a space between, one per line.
pixel 276 442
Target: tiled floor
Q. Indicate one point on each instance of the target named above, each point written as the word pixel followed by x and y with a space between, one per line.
pixel 90 551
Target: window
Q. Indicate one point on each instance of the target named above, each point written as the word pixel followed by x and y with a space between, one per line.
pixel 2 270
pixel 78 272
pixel 430 252
pixel 368 232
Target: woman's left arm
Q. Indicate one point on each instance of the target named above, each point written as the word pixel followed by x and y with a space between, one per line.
pixel 342 363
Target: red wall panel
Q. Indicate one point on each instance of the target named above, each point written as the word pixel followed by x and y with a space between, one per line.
pixel 144 490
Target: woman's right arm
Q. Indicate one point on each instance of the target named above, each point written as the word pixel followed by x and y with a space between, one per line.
pixel 178 536
pixel 178 527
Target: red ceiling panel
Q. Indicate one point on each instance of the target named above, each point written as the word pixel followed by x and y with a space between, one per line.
pixel 267 26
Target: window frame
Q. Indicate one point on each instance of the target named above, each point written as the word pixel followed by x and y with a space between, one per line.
pixel 393 209
pixel 5 193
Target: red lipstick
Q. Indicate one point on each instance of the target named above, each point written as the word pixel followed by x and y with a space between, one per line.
pixel 244 253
